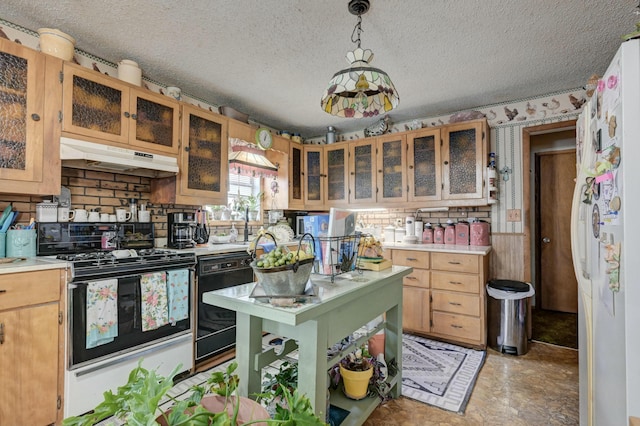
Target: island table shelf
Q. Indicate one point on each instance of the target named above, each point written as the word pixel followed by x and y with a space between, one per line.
pixel 341 308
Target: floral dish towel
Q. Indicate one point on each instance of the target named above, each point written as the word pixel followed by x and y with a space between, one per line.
pixel 102 312
pixel 154 310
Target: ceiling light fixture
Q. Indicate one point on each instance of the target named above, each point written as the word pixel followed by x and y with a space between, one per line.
pixel 360 90
pixel 246 159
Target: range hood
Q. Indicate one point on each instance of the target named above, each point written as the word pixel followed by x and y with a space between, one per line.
pixel 80 154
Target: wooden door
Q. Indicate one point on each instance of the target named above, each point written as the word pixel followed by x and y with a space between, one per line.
pixel 557 282
pixel 336 161
pixel 424 172
pixel 314 176
pixel 391 161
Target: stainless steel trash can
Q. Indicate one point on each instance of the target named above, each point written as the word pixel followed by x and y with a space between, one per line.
pixel 509 316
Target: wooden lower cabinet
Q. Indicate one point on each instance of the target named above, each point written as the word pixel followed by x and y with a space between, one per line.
pixel 31 348
pixel 444 297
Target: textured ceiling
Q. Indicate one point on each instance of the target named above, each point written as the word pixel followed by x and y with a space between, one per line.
pixel 272 59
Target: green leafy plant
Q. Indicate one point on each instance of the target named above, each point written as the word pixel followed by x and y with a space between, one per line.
pixel 138 403
pixel 362 360
pixel 253 201
pixel 286 378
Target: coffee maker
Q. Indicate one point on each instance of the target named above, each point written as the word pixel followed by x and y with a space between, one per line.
pixel 180 227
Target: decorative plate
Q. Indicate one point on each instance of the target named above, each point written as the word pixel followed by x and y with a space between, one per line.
pixel 283 233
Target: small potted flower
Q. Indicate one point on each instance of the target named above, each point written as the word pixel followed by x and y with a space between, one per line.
pixel 253 202
pixel 361 374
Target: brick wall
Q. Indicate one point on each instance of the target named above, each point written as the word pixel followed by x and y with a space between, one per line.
pixel 108 191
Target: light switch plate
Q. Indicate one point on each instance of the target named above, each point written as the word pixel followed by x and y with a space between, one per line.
pixel 513 215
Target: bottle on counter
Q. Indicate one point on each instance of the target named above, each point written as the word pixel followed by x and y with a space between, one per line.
pixel 450 233
pixel 427 234
pixel 438 234
pixel 133 209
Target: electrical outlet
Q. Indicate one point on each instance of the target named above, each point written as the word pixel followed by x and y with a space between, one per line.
pixel 513 215
pixel 398 222
pixel 463 214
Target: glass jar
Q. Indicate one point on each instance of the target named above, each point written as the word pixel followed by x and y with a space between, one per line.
pixel 133 209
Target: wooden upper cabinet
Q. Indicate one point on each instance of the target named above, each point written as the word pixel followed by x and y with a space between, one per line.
pixel 243 131
pixel 337 174
pixel 391 161
pixel 424 171
pixel 203 159
pixel 464 155
pixel 107 110
pixel 30 101
pixel 362 171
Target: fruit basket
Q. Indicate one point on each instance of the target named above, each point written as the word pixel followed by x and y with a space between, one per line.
pixel 282 272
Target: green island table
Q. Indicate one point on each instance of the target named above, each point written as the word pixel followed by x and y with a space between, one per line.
pixel 339 309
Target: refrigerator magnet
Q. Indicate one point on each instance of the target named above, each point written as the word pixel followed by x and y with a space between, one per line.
pixel 595 221
pixel 615 204
pixel 612 126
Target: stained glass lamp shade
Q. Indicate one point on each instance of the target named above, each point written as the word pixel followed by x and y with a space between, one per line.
pixel 245 159
pixel 360 90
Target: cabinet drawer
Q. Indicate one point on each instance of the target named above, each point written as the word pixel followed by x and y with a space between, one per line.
pixel 467 283
pixel 418 278
pixel 457 303
pixel 29 288
pixel 456 325
pixel 455 262
pixel 414 258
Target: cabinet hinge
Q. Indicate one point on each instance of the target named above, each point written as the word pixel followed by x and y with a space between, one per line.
pixel 430 299
pixel 59 402
pixel 431 323
pixel 60 317
pixel 60 116
pixel 61 77
pixel 441 142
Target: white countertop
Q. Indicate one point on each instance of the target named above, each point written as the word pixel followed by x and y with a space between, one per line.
pixel 443 248
pixel 32 264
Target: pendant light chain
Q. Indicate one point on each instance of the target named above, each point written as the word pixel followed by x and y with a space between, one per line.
pixel 357 29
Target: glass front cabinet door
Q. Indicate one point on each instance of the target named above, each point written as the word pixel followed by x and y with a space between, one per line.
pixel 362 172
pixel 463 158
pixel 424 172
pixel 336 159
pixel 104 108
pixel 30 101
pixel 296 200
pixel 313 176
pixel 203 159
pixel 391 160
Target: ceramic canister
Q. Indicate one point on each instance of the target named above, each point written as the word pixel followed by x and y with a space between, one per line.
pixel 409 226
pixel 389 234
pixel 462 233
pixel 438 234
pixel 427 234
pixel 479 233
pixel 130 72
pixel 450 234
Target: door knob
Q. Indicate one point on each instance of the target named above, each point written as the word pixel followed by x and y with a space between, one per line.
pixel 546 240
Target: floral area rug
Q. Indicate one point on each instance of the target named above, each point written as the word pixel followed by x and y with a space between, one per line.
pixel 439 374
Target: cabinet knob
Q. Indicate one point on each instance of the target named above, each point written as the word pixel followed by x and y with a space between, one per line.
pixel 186 148
pixel 446 162
pixel 134 116
pixel 379 170
pixel 35 117
pixel 126 114
pixel 353 173
pixel 411 166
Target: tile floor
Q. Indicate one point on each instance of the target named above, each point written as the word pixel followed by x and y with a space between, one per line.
pixel 538 388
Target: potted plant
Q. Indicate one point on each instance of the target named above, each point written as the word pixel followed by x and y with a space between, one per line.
pixel 361 374
pixel 217 212
pixel 253 202
pixel 138 402
pixel 275 385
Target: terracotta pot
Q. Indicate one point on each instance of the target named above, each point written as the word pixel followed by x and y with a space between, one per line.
pixel 249 409
pixel 376 345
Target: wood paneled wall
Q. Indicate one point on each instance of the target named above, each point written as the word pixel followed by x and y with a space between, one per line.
pixel 506 256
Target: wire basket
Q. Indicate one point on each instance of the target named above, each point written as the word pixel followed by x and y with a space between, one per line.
pixel 336 255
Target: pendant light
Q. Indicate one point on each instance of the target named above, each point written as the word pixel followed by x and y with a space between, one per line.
pixel 359 90
pixel 246 159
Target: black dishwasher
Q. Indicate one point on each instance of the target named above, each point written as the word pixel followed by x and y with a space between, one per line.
pixel 216 327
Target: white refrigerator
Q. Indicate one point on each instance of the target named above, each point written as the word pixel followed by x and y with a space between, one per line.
pixel 605 236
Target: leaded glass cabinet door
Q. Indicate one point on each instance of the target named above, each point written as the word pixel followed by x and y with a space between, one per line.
pixel 336 159
pixel 30 100
pixel 392 177
pixel 362 172
pixel 295 176
pixel 204 160
pixel 313 176
pixel 95 105
pixel 156 123
pixel 424 171
pixel 463 157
